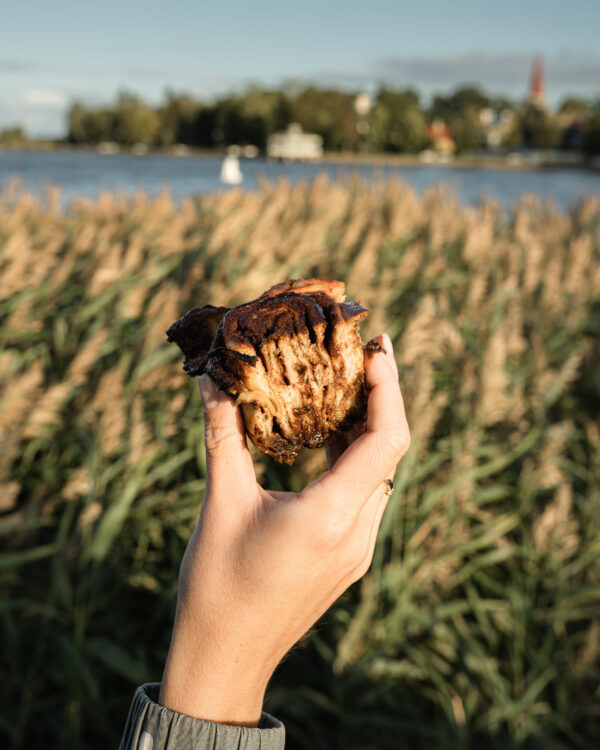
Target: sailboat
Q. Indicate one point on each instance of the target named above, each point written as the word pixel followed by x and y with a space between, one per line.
pixel 231 174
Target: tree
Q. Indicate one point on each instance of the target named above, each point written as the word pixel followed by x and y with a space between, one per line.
pixel 177 117
pixel 15 136
pixel 591 142
pixel 501 103
pixel 466 128
pixel 512 137
pixel 134 121
pixel 540 129
pixel 329 113
pixel 77 130
pixel 231 123
pixel 460 111
pixel 467 98
pixel 90 125
pixel 397 122
pixel 574 105
pixel 204 128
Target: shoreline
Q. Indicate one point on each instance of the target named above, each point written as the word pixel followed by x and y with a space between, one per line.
pixel 516 161
pixel 461 162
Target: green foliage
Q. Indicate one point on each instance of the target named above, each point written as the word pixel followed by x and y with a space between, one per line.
pixel 90 126
pixel 129 121
pixel 574 105
pixel 177 120
pixel 134 121
pixel 329 113
pixel 249 118
pixel 13 137
pixel 397 122
pixel 462 100
pixel 592 133
pixel 466 130
pixel 478 624
pixel 460 112
pixel 540 129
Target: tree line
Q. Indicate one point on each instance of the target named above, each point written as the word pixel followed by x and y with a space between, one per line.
pixel 391 121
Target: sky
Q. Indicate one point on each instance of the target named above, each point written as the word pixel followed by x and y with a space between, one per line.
pixel 54 52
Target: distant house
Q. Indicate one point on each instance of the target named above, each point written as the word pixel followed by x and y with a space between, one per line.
pixel 294 145
pixel 495 126
pixel 440 136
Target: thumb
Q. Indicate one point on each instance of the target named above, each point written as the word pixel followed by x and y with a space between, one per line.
pixel 228 460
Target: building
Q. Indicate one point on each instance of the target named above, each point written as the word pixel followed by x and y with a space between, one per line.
pixel 495 126
pixel 537 91
pixel 440 136
pixel 294 145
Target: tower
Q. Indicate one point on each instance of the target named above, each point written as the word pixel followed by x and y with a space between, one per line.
pixel 537 93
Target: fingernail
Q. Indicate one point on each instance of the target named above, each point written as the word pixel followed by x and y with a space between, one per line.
pixel 387 342
pixel 374 346
pixel 208 391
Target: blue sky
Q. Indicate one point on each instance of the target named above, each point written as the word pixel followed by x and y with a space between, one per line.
pixel 52 52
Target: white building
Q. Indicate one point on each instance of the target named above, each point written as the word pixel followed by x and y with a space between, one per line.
pixel 294 145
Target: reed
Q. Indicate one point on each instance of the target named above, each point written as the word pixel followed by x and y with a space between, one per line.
pixel 479 621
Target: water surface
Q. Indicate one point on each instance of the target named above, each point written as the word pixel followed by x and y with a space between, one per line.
pixel 81 173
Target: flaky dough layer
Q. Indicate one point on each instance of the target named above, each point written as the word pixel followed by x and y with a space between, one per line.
pixel 292 360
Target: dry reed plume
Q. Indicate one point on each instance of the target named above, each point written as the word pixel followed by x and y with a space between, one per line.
pixel 478 624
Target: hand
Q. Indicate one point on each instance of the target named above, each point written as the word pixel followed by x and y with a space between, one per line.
pixel 262 567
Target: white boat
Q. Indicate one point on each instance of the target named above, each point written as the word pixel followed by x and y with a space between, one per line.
pixel 231 174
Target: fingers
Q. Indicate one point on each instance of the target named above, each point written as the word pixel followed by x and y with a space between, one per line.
pixel 376 514
pixel 228 461
pixel 385 407
pixel 375 454
pixel 386 341
pixel 364 531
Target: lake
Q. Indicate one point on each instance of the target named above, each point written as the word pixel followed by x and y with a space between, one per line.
pixel 83 173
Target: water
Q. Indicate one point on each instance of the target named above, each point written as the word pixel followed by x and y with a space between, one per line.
pixel 80 173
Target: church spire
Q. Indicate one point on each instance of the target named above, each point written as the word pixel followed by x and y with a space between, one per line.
pixel 537 93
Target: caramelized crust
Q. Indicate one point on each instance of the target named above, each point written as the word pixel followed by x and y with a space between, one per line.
pixel 194 334
pixel 333 289
pixel 291 359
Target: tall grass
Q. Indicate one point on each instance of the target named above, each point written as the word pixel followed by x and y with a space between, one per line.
pixel 479 622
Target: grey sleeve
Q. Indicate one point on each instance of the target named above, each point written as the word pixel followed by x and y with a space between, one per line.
pixel 153 727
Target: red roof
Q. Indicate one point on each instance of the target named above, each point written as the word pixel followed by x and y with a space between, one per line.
pixel 438 129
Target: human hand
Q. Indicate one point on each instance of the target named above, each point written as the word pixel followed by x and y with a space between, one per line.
pixel 262 567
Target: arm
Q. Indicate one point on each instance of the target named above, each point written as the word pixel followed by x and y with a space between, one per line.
pixel 262 567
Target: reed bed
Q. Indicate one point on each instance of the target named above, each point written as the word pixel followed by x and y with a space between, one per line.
pixel 478 624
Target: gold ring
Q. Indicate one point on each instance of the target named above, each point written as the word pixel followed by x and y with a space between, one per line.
pixel 390 485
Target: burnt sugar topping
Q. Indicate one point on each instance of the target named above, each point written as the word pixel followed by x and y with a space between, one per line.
pixel 291 359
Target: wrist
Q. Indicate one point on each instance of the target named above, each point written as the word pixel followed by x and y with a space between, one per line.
pixel 215 680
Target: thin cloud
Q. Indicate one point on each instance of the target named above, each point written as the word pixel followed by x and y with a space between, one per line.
pixel 46 98
pixel 151 73
pixel 18 66
pixel 507 73
pixel 24 67
pixel 40 112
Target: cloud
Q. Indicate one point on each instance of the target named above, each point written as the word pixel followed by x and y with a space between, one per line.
pixel 41 112
pixel 51 67
pixel 18 66
pixel 502 74
pixel 46 98
pixel 506 73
